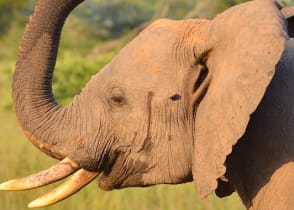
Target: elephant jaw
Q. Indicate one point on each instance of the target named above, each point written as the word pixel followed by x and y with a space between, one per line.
pixel 61 170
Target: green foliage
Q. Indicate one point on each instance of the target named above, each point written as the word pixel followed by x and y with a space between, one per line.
pixel 9 11
pixel 288 2
pixel 108 19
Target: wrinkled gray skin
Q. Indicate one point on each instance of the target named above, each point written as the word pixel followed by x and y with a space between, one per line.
pixel 172 104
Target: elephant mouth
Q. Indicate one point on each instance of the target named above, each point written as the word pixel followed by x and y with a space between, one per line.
pixel 79 179
pixel 125 170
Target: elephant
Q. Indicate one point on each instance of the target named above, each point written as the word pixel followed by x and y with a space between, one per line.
pixel 203 101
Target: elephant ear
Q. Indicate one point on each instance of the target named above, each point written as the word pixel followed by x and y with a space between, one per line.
pixel 246 42
pixel 288 13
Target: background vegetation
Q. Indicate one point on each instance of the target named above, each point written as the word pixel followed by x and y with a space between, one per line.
pixel 93 34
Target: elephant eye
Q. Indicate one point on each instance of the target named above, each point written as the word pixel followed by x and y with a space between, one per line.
pixel 117 100
pixel 175 97
pixel 116 97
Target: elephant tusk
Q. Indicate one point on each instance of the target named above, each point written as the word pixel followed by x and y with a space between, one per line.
pixel 57 172
pixel 79 179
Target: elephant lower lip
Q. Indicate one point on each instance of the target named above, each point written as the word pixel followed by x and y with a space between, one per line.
pixel 106 185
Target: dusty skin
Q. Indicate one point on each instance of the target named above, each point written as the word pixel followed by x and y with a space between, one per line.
pixel 208 101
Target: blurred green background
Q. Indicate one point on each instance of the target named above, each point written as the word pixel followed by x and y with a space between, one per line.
pixel 93 34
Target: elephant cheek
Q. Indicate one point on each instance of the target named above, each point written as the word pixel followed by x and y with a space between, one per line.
pixel 124 173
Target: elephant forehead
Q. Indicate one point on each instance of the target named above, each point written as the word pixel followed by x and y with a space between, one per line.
pixel 149 47
pixel 152 50
pixel 145 74
pixel 148 61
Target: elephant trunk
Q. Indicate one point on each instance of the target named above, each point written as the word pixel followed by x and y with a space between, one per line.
pixel 48 125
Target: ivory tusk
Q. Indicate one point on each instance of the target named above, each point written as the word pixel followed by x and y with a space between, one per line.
pixel 57 172
pixel 79 179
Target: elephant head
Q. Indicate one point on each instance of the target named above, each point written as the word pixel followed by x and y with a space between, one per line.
pixel 167 109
